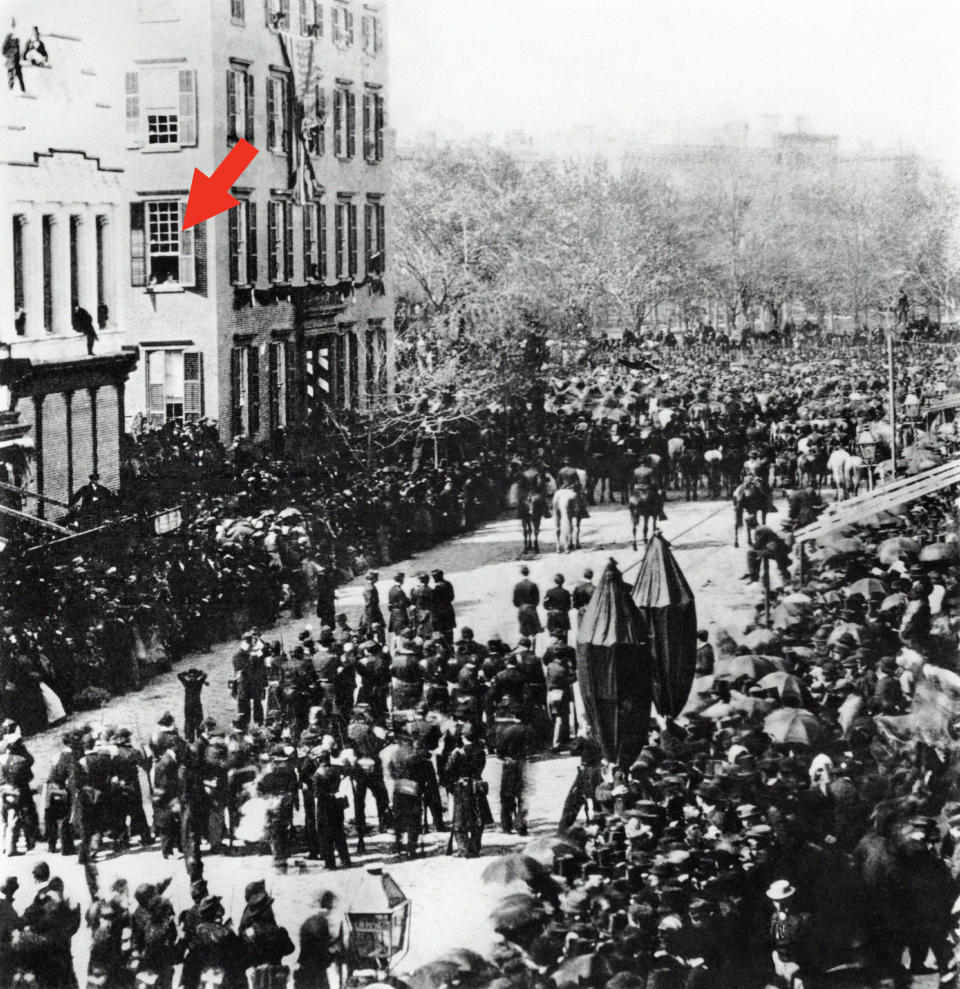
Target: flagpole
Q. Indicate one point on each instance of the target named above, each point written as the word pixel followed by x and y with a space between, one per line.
pixel 891 376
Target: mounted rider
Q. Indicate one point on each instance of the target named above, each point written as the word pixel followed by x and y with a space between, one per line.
pixel 757 468
pixel 569 477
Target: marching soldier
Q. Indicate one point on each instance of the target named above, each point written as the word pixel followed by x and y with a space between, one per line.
pixel 515 742
pixel 463 772
pixel 421 601
pixel 398 605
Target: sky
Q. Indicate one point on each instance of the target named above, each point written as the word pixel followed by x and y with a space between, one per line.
pixel 885 71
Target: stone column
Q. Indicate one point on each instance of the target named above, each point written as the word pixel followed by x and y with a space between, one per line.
pixel 7 329
pixel 87 267
pixel 62 317
pixel 33 269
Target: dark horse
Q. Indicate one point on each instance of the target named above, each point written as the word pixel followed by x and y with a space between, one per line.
pixel 531 510
pixel 749 498
pixel 645 501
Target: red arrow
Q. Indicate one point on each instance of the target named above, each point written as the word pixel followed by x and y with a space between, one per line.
pixel 210 196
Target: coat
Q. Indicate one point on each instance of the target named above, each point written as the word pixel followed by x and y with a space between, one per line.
pixel 444 617
pixel 398 604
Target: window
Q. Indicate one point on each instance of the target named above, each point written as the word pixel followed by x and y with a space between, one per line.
pixel 174 386
pixel 245 390
pixel 344 123
pixel 315 241
pixel 315 126
pixel 18 297
pixel 278 14
pixel 373 127
pixel 161 107
pixel 161 254
pixel 279 241
pixel 242 224
pixel 311 19
pixel 239 104
pixel 74 262
pixel 373 229
pixel 342 25
pixel 278 128
pixel 237 13
pixel 346 240
pixel 371 32
pixel 383 360
pixel 47 249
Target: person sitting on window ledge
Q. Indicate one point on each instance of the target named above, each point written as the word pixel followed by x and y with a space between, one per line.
pixel 11 55
pixel 34 51
pixel 83 323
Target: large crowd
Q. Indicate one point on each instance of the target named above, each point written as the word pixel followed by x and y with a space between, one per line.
pixel 802 813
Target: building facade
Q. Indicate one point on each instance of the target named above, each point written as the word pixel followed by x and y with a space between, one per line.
pixel 263 316
pixel 63 360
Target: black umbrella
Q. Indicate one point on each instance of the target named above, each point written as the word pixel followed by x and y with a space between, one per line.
pixel 666 602
pixel 613 669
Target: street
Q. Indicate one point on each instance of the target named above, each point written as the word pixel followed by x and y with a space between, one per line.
pixel 450 903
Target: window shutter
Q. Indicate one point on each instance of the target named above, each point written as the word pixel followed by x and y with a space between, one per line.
pixel 134 132
pixel 284 111
pixel 365 32
pixel 232 134
pixel 378 128
pixel 309 256
pixel 317 19
pixel 252 272
pixel 285 13
pixel 367 126
pixel 338 232
pixel 352 237
pixel 192 385
pixel 322 242
pixel 236 393
pixel 187 272
pixel 304 22
pixel 288 242
pixel 377 35
pixel 156 376
pixel 381 218
pixel 271 114
pixel 273 384
pixel 351 123
pixel 368 233
pixel 348 23
pixel 253 388
pixel 322 115
pixel 289 370
pixel 248 123
pixel 233 223
pixel 337 34
pixel 138 246
pixel 338 122
pixel 272 240
pixel 188 107
pixel 268 11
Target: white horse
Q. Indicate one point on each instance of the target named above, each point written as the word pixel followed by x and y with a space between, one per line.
pixel 847 472
pixel 566 518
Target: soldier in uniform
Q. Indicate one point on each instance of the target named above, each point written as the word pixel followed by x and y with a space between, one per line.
pixel 526 598
pixel 421 601
pixel 193 681
pixel 94 804
pixel 372 615
pixel 398 605
pixel 443 617
pixel 462 773
pixel 369 770
pixel 582 593
pixel 515 743
pixel 266 943
pixel 279 785
pixel 558 604
pixel 329 807
pixel 319 946
pixel 61 795
pixel 214 947
pixel 127 763
pixel 410 780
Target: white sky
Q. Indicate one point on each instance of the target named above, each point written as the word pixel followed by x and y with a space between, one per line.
pixel 887 71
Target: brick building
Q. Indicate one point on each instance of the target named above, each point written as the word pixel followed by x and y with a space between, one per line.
pixel 62 242
pixel 260 316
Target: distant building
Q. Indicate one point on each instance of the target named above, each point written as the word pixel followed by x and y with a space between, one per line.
pixel 63 241
pixel 265 314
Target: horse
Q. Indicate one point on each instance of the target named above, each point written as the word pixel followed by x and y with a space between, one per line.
pixel 713 460
pixel 749 499
pixel 734 457
pixel 846 470
pixel 531 509
pixel 646 501
pixel 675 448
pixel 566 517
pixel 690 464
pixel 812 469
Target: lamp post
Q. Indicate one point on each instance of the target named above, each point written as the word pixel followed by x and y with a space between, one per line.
pixel 911 415
pixel 867 445
pixel 377 923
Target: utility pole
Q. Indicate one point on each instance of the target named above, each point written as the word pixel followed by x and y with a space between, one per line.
pixel 891 381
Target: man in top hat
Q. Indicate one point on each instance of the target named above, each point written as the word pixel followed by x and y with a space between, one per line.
pixel 583 592
pixel 526 598
pixel 372 615
pixel 443 617
pixel 398 604
pixel 213 946
pixel 266 943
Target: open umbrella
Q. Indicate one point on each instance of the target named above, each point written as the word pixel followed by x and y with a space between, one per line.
pixel 842 547
pixel 516 911
pixel 614 669
pixel 783 616
pixel 665 600
pixel 939 553
pixel 897 548
pixel 867 586
pixel 505 869
pixel 545 850
pixel 845 628
pixel 752 667
pixel 891 601
pixel 454 968
pixel 785 684
pixel 792 726
pixel 759 638
pixel 798 599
